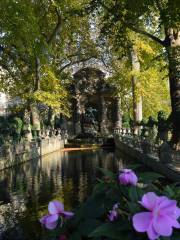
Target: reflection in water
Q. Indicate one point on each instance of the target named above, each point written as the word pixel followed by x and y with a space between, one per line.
pixel 26 190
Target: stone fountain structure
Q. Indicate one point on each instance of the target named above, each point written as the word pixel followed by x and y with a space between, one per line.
pixel 95 107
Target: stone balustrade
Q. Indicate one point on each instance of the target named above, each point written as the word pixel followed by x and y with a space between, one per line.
pixel 13 154
pixel 160 150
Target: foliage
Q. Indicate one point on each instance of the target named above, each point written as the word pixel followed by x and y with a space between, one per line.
pixel 52 93
pixel 152 82
pixel 153 20
pixel 154 91
pixel 91 218
pixel 40 40
pixel 10 128
pixel 126 121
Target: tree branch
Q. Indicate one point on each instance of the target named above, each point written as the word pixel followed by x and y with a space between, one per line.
pixel 60 61
pixel 37 75
pixel 149 35
pixel 154 59
pixel 56 29
pixel 106 66
pixel 158 6
pixel 76 62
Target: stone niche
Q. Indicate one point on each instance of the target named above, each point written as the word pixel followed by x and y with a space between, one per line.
pixel 95 108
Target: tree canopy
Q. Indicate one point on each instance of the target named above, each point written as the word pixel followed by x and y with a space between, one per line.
pixel 137 43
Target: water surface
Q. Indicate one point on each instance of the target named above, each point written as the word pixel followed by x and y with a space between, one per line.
pixel 26 189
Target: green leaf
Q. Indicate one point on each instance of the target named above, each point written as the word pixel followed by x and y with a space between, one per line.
pixel 133 207
pixel 175 236
pixel 99 187
pixel 106 172
pixel 116 230
pixel 149 177
pixel 93 207
pixel 124 190
pixel 133 195
pixel 134 166
pixel 87 226
pixel 75 236
pixel 169 191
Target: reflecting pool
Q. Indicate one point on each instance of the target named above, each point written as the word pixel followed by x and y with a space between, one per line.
pixel 26 189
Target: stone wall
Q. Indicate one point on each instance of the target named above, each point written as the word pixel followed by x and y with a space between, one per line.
pixel 50 145
pixel 169 170
pixel 16 154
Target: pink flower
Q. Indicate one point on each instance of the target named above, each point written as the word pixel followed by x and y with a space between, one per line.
pixel 128 177
pixel 161 218
pixel 113 214
pixel 56 209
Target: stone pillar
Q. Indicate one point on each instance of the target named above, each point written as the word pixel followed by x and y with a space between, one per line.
pixel 77 115
pixel 117 113
pixel 103 115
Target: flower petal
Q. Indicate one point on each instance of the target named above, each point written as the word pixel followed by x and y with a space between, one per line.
pixel 142 221
pixel 149 200
pixel 177 212
pixel 133 178
pixel 115 206
pixel 51 226
pixel 68 214
pixel 163 225
pixel 43 219
pixel 123 179
pixel 112 215
pixel 50 221
pixel 55 207
pixel 175 223
pixel 165 204
pixel 152 234
pixel 125 170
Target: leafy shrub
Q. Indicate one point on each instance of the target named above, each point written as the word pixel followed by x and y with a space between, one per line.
pixel 114 209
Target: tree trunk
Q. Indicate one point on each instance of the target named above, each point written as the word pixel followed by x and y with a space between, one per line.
pixel 37 74
pixel 51 118
pixel 174 80
pixel 117 113
pixel 137 100
pixel 35 116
